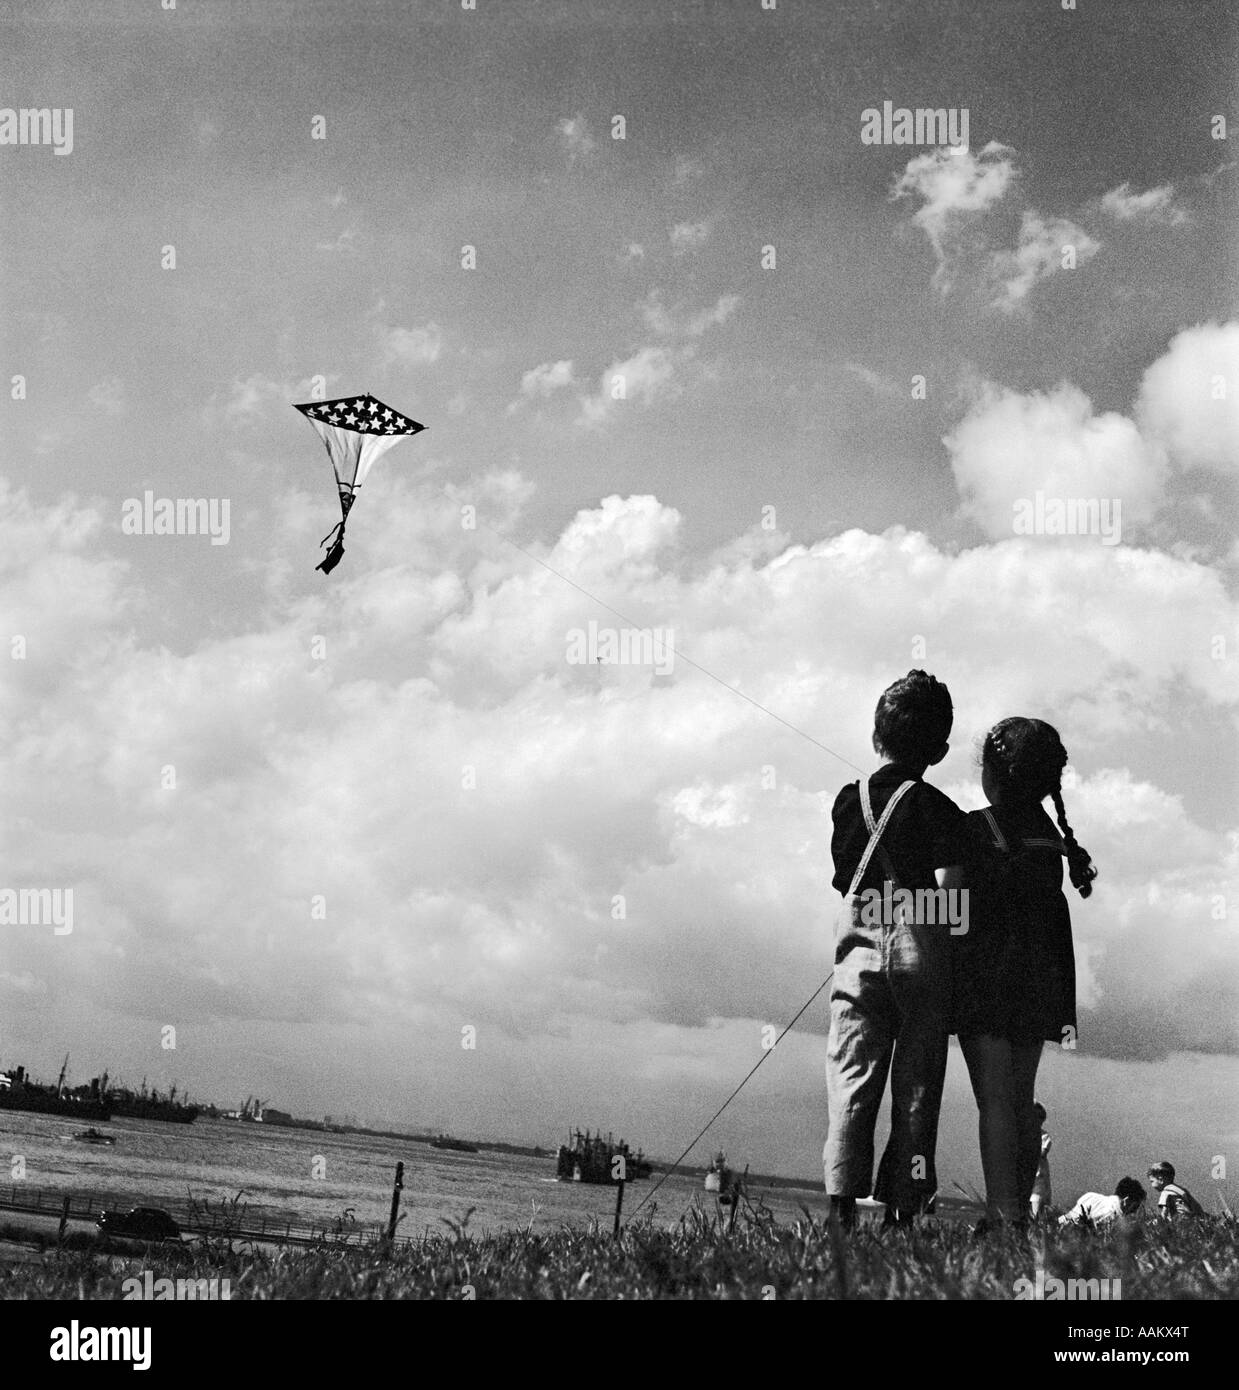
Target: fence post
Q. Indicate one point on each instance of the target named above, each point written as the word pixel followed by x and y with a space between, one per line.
pixel 395 1202
pixel 64 1221
pixel 619 1206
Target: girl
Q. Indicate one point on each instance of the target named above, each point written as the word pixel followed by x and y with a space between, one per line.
pixel 1015 969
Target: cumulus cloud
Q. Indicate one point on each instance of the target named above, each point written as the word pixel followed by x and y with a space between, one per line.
pixel 488 896
pixel 1153 205
pixel 1189 398
pixel 1045 247
pixel 956 188
pixel 1012 445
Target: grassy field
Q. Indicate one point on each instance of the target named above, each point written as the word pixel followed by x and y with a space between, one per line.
pixel 695 1259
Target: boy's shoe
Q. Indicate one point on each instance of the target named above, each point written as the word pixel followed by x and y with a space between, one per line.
pixel 843 1213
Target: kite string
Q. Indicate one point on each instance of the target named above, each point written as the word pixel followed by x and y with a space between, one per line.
pixel 701 1132
pixel 667 646
pixel 787 723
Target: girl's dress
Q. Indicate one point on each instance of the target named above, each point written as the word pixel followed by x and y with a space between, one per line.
pixel 1014 969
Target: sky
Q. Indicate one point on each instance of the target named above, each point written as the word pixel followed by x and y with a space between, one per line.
pixel 737 375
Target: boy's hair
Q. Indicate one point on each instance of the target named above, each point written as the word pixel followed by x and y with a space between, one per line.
pixel 913 719
pixel 1129 1190
pixel 1027 757
pixel 1162 1170
pixel 1039 1111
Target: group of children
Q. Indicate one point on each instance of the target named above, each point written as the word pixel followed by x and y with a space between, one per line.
pixel 1001 976
pixel 1097 1209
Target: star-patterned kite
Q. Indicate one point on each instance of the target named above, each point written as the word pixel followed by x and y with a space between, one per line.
pixel 356 430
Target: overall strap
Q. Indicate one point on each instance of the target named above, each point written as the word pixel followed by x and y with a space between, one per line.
pixel 875 829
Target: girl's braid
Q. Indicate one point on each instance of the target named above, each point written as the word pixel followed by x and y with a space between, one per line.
pixel 1081 868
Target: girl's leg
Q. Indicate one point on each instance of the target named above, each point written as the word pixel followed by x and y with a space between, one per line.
pixel 1025 1058
pixel 993 1084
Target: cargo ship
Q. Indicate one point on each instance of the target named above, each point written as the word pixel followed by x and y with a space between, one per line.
pixel 94 1101
pixel 150 1105
pixel 19 1092
pixel 445 1141
pixel 591 1158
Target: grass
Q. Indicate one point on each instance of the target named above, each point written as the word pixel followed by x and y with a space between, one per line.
pixel 698 1258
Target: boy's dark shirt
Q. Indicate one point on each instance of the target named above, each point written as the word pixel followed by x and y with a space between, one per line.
pixel 925 833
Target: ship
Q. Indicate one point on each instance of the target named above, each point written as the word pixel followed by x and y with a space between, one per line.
pixel 591 1158
pixel 19 1092
pixel 445 1141
pixel 149 1105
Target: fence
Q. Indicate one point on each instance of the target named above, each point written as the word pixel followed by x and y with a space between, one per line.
pixel 243 1224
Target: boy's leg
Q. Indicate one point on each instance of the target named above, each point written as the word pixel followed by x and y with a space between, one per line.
pixel 918 966
pixel 857 1061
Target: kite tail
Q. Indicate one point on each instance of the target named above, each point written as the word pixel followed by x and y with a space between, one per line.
pixel 336 535
pixel 336 553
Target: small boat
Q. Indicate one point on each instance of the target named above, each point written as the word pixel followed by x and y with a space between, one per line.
pixel 94 1136
pixel 445 1141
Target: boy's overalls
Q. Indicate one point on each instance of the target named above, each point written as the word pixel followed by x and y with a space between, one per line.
pixel 889 1011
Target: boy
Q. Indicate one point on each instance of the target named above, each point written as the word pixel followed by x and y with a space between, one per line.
pixel 1041 1193
pixel 891 999
pixel 1095 1210
pixel 1172 1200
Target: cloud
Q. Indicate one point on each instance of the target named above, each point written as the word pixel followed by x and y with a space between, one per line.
pixel 681 322
pixel 879 384
pixel 541 381
pixel 634 251
pixel 1043 245
pixel 575 138
pixel 412 347
pixel 343 243
pixel 246 400
pixel 956 187
pixel 651 373
pixel 547 377
pixel 1154 205
pixel 1189 398
pixel 487 899
pixel 108 395
pixel 686 237
pixel 1010 446
pixel 647 375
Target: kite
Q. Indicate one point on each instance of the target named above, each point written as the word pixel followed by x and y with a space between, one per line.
pixel 356 430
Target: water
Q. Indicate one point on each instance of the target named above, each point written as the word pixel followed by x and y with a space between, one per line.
pixel 160 1165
